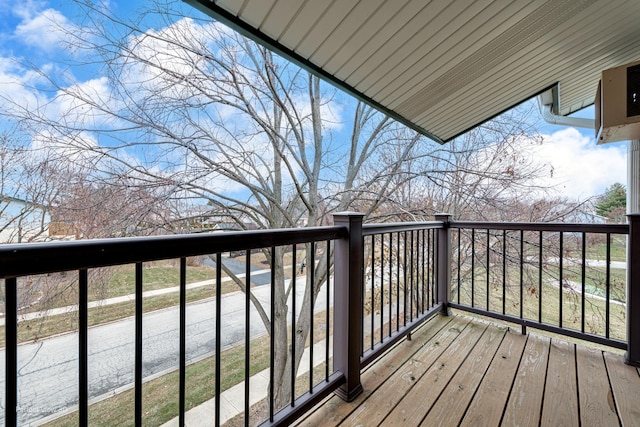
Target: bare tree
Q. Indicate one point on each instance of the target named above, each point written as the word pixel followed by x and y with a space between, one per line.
pixel 205 114
pixel 27 188
pixel 114 206
pixel 193 112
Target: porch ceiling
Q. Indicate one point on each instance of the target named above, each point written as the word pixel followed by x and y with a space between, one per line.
pixel 445 66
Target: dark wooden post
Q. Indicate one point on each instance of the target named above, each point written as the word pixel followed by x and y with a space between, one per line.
pixel 347 330
pixel 632 356
pixel 443 264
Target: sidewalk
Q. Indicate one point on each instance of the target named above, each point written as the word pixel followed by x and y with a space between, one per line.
pixel 232 400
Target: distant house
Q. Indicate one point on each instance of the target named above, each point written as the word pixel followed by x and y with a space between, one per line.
pixel 226 226
pixel 583 217
pixel 23 221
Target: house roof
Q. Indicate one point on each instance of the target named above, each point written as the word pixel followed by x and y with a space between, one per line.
pixel 444 66
pixel 10 199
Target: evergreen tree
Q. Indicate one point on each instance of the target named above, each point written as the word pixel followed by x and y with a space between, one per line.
pixel 614 197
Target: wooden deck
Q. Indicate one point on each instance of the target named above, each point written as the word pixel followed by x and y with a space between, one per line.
pixel 458 371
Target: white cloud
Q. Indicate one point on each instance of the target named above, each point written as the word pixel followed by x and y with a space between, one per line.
pixel 78 105
pixel 15 84
pixel 27 9
pixel 46 30
pixel 578 167
pixel 81 105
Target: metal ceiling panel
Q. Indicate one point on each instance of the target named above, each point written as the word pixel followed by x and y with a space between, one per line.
pixel 445 66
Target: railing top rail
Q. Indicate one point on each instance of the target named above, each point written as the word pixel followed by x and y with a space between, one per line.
pixel 40 258
pixel 394 227
pixel 544 226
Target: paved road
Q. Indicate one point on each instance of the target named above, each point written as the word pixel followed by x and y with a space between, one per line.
pixel 47 379
pixel 239 267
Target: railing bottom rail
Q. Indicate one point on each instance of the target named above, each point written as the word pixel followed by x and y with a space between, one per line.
pixel 373 354
pixel 622 345
pixel 304 403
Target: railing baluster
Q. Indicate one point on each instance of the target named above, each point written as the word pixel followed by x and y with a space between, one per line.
pixel 404 278
pixel 488 278
pixel 138 346
pixel 398 284
pixel 390 283
pixel 425 271
pixel 425 266
pixel 272 321
pixel 424 263
pixel 247 336
pixel 411 277
pixel 434 266
pixel 293 326
pixel 83 348
pixel 382 287
pixel 312 280
pixel 583 280
pixel 522 275
pixel 327 312
pixel 608 287
pixel 504 271
pixel 459 262
pixel 218 335
pixel 540 267
pixel 11 351
pixel 473 266
pixel 373 274
pixel 561 276
pixel 183 341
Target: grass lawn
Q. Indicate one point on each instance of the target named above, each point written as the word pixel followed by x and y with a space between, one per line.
pixel 61 289
pixel 154 275
pixel 37 329
pixel 543 303
pixel 618 249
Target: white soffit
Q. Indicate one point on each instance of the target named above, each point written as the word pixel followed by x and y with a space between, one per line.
pixel 445 66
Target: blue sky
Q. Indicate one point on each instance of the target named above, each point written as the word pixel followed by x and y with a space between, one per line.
pixel 580 167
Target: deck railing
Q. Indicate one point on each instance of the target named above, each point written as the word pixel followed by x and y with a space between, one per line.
pixel 387 279
pixel 400 283
pixel 19 264
pixel 554 277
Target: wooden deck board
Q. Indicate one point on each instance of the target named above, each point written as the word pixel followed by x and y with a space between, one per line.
pixel 408 412
pixel 487 407
pixel 560 405
pixel 596 402
pixel 451 405
pixel 463 371
pixel 625 385
pixel 436 334
pixel 525 400
pixel 374 409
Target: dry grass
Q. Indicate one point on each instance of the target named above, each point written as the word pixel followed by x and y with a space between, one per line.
pixel 544 304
